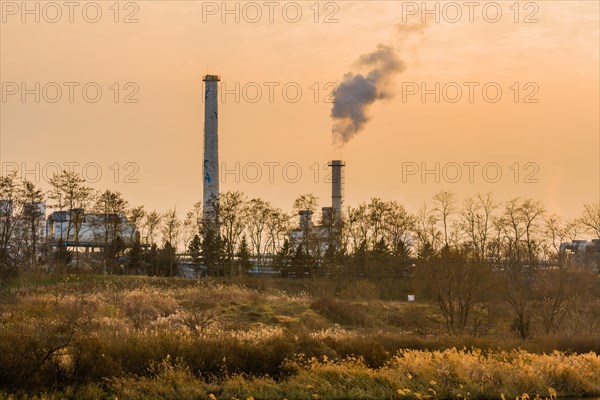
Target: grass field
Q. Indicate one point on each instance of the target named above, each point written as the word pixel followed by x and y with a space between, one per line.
pixel 92 337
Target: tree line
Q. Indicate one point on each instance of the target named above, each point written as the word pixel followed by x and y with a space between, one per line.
pixel 375 237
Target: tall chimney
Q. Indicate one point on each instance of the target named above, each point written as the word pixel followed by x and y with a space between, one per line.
pixel 337 187
pixel 210 166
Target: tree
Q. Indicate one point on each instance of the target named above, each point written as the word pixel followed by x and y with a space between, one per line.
pixel 458 286
pixel 213 252
pixel 232 218
pixel 135 259
pixel 556 232
pixel 33 215
pixel 477 223
pixel 70 193
pixel 445 206
pixel 192 224
pixel 171 227
pixel 519 245
pixel 136 217
pixel 278 226
pixel 284 257
pixel 195 250
pixel 61 257
pixel 306 202
pixel 590 218
pixel 377 211
pixel 243 255
pixel 111 207
pixel 259 212
pixel 11 201
pixel 112 254
pixel 426 228
pixel 398 226
pixel 166 260
pixel 300 263
pixel 152 223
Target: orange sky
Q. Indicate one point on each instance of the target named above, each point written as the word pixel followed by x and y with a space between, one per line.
pixel 168 50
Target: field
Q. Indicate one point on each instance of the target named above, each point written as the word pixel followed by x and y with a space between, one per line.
pixel 92 337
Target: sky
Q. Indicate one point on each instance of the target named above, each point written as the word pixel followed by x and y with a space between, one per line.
pixel 502 97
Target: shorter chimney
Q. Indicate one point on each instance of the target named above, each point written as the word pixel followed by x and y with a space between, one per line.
pixel 305 219
pixel 337 187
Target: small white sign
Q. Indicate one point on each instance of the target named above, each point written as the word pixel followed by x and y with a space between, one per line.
pixel 411 297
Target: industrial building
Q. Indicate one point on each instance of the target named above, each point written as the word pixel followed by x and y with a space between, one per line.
pixel 75 228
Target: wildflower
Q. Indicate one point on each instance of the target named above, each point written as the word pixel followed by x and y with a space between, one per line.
pixel 432 382
pixel 552 393
pixel 212 397
pixel 409 376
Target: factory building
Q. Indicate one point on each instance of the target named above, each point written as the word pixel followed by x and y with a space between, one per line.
pixel 76 228
pixel 317 238
pixel 581 252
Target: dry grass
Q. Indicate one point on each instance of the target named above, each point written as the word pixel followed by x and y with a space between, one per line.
pixel 138 338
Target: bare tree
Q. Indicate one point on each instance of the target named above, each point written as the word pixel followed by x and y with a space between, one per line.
pixel 171 227
pixel 428 233
pixel 477 222
pixel 590 218
pixel 259 212
pixel 278 226
pixel 151 223
pixel 11 201
pixel 111 207
pixel 33 214
pixel 171 230
pixel 376 215
pixel 445 206
pixel 70 193
pixel 459 286
pixel 192 224
pixel 398 225
pixel 232 218
pixel 136 217
pixel 555 231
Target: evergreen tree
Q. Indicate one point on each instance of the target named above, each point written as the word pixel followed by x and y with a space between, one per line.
pixel 62 256
pixel 135 258
pixel 426 252
pixel 214 252
pixel 195 250
pixel 112 254
pixel 283 259
pixel 243 255
pixel 152 261
pixel 167 260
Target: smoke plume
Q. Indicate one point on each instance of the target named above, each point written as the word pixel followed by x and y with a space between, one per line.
pixel 358 91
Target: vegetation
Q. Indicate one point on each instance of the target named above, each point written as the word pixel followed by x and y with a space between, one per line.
pixel 81 336
pixel 326 315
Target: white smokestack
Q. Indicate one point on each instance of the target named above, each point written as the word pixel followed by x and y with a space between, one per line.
pixel 210 166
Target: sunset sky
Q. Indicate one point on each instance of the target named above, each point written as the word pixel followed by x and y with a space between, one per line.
pixel 553 143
